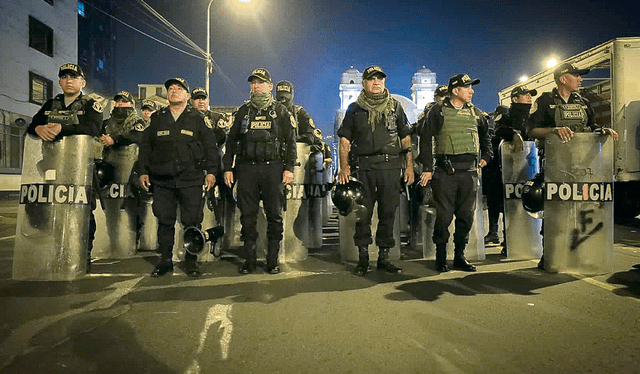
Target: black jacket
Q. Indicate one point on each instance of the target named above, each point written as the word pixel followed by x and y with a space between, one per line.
pixel 89 120
pixel 178 153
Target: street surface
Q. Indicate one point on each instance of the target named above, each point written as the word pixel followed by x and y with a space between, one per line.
pixel 318 317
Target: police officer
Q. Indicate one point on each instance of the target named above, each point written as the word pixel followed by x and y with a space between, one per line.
pixel 262 141
pixel 438 96
pixel 306 127
pixel 510 126
pixel 374 142
pixel 200 100
pixel 563 111
pixel 462 143
pixel 86 114
pixel 148 108
pixel 177 150
pixel 124 127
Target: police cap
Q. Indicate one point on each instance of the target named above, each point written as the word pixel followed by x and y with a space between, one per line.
pixel 441 91
pixel 522 90
pixel 461 80
pixel 568 68
pixel 284 86
pixel 179 81
pixel 261 74
pixel 72 69
pixel 373 70
pixel 123 95
pixel 149 104
pixel 199 92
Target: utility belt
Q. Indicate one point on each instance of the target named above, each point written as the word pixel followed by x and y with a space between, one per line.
pixel 450 164
pixel 380 161
pixel 259 161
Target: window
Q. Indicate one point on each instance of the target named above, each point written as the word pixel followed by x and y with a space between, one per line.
pixel 158 91
pixel 100 66
pixel 40 89
pixel 40 37
pixel 81 8
pixel 143 93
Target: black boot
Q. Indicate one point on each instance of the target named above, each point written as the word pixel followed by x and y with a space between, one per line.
pixel 492 235
pixel 191 265
pixel 441 258
pixel 385 264
pixel 249 265
pixel 163 267
pixel 459 261
pixel 363 267
pixel 272 257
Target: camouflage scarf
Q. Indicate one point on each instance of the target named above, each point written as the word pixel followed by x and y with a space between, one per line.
pixel 261 101
pixel 377 105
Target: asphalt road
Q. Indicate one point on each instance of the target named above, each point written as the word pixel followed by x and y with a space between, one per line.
pixel 318 317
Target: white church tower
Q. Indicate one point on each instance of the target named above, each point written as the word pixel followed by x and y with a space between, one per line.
pixel 423 88
pixel 350 87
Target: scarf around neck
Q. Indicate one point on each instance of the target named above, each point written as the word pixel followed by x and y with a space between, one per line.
pixel 261 101
pixel 377 105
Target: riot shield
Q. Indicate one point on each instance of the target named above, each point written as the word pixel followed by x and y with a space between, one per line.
pixel 522 230
pixel 327 204
pixel 52 230
pixel 119 210
pixel 578 207
pixel 296 217
pixel 315 192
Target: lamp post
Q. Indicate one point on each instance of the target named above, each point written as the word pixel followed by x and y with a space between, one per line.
pixel 208 63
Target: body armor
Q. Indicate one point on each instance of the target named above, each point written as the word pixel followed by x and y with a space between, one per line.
pixel 259 140
pixel 68 116
pixel 459 133
pixel 573 116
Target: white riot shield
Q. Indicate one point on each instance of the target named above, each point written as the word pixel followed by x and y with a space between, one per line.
pixel 327 204
pixel 52 230
pixel 578 208
pixel 117 213
pixel 315 193
pixel 522 231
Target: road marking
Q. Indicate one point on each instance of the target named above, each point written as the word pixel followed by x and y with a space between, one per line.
pixel 218 313
pixel 8 237
pixel 19 342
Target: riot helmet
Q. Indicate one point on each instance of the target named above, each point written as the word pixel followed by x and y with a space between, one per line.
pixel 105 173
pixel 533 196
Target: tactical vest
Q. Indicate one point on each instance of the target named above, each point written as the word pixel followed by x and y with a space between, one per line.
pixel 118 128
pixel 387 141
pixel 459 133
pixel 260 135
pixel 66 116
pixel 573 116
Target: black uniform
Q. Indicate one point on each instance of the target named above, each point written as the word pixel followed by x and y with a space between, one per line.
pixel 176 154
pixel 376 159
pixel 220 129
pixel 545 107
pixel 454 180
pixel 125 127
pixel 508 122
pixel 264 146
pixel 89 118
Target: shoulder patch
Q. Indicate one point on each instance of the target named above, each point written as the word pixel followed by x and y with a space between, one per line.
pixel 498 117
pixel 311 123
pixel 294 124
pixel 207 121
pixel 140 126
pixel 221 123
pixel 534 107
pixel 97 107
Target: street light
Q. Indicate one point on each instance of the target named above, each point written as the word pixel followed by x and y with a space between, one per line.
pixel 209 62
pixel 552 62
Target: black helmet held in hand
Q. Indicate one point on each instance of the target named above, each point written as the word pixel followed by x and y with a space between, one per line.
pixel 533 196
pixel 105 173
pixel 348 197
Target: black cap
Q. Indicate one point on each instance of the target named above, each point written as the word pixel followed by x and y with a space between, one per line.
pixel 522 90
pixel 373 70
pixel 284 86
pixel 123 95
pixel 261 74
pixel 70 69
pixel 199 92
pixel 149 104
pixel 441 91
pixel 568 68
pixel 179 81
pixel 461 80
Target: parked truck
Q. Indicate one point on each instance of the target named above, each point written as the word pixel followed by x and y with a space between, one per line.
pixel 613 89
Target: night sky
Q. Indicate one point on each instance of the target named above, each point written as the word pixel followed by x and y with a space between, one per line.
pixel 311 43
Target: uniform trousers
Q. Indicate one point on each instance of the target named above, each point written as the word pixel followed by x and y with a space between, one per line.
pixel 382 186
pixel 454 194
pixel 166 201
pixel 257 181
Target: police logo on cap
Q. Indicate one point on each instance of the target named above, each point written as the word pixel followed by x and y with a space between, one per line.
pixel 199 92
pixel 177 80
pixel 123 94
pixel 261 74
pixel 149 104
pixel 373 70
pixel 70 68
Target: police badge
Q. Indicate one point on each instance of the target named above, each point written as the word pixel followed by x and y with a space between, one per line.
pixel 207 121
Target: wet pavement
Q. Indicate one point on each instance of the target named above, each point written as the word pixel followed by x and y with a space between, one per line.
pixel 318 317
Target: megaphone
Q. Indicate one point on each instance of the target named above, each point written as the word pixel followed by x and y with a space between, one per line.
pixel 194 238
